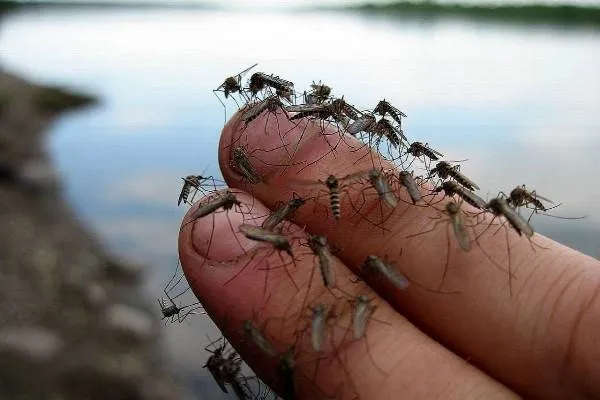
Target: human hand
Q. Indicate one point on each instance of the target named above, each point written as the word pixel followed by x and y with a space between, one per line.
pixel 476 341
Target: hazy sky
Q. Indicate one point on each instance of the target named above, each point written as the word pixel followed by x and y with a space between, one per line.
pixel 289 3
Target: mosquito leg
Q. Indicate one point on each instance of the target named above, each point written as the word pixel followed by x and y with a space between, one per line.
pixel 510 274
pixel 446 265
pixel 223 104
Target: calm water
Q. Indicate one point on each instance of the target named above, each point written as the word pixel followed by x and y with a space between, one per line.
pixel 521 104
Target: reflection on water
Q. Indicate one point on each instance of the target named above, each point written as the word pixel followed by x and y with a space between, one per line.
pixel 521 104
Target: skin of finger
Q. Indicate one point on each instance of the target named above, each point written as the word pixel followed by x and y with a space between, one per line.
pixel 412 364
pixel 539 341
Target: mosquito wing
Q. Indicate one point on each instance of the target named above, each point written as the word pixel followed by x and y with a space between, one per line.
pixel 350 111
pixel 537 196
pixel 360 124
pixel 185 191
pixel 437 153
pixel 460 232
pixel 470 197
pixel 306 108
pixel 408 181
pixel 260 234
pixel 255 110
pixel 517 222
pixel 244 72
pixel 213 367
pixel 463 180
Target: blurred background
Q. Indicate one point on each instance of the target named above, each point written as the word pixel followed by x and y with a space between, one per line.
pixel 513 87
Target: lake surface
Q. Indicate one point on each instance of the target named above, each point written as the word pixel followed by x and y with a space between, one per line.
pixel 521 103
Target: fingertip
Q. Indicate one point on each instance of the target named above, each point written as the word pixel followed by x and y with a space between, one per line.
pixel 215 236
pixel 270 142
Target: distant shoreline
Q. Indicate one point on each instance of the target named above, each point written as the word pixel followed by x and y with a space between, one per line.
pixel 8 5
pixel 530 13
pixel 567 15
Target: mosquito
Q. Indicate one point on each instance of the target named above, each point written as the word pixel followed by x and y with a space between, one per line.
pixel 323 110
pixel 500 207
pixel 520 197
pixel 232 84
pixel 189 182
pixel 368 124
pixel 346 108
pixel 376 265
pixel 365 123
pixel 231 369
pixel 170 310
pixel 226 370
pixel 320 111
pixel 277 240
pixel 452 188
pixel 320 314
pixel 258 338
pixel 361 315
pixel 240 161
pixel 320 248
pixel 408 181
pixel 382 186
pixel 214 364
pixel 384 107
pixel 259 80
pixel 282 213
pixel 394 135
pixel 270 103
pixel 418 150
pixel 319 93
pixel 280 242
pixel 226 201
pixel 445 170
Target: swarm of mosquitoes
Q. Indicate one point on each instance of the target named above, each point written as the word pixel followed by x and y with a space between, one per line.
pixel 400 166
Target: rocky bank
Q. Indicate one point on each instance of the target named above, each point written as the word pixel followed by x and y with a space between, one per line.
pixel 73 324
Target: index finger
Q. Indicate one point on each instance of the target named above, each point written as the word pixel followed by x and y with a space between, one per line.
pixel 540 341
